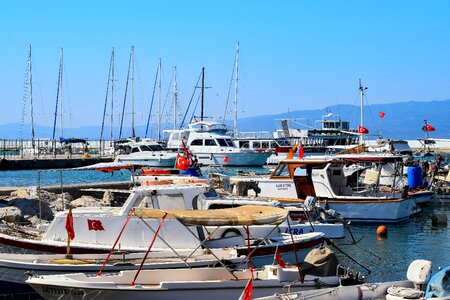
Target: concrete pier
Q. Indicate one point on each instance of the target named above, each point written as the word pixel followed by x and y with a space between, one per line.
pixel 60 162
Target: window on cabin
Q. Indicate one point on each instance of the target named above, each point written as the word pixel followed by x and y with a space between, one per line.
pixel 230 143
pixel 197 143
pixel 256 145
pixel 282 171
pixel 135 149
pixel 175 201
pixel 273 144
pixel 144 202
pixel 222 143
pixel 156 148
pixel 244 144
pixel 265 145
pixel 210 142
pixel 145 148
pixel 301 171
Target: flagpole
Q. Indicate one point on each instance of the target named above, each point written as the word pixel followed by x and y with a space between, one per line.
pixel 68 255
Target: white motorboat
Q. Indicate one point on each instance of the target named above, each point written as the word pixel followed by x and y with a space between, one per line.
pixel 200 283
pixel 339 186
pixel 417 286
pixel 210 143
pixel 145 151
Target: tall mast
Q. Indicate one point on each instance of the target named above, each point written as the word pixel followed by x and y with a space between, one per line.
pixel 236 90
pixel 175 98
pixel 31 95
pixel 132 94
pixel 203 93
pixel 361 94
pixel 60 92
pixel 112 95
pixel 159 100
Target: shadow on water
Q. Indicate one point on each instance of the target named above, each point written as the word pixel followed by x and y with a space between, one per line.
pixel 411 240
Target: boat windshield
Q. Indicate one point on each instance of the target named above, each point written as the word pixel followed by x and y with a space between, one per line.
pixel 152 148
pixel 282 171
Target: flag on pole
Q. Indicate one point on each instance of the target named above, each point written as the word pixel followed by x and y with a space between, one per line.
pixel 247 293
pixel 279 259
pixel 69 225
pixel 428 127
pixel 182 162
pixel 301 152
pixel 363 130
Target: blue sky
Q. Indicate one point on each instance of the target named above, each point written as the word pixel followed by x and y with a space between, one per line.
pixel 294 55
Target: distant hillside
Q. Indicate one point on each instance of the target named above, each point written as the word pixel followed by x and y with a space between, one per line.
pixel 403 120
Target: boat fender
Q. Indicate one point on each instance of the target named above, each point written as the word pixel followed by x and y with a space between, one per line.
pixel 231 232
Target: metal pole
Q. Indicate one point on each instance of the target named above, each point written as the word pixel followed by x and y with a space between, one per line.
pixel 39 196
pixel 62 191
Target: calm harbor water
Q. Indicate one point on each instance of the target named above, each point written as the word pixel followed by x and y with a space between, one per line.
pixel 388 258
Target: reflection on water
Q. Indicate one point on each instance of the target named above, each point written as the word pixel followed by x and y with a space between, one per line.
pixel 389 258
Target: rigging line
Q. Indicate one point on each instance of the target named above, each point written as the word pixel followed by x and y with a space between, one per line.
pixel 151 103
pixel 195 108
pixel 190 101
pixel 24 99
pixel 106 98
pixel 229 91
pixel 167 97
pixel 57 100
pixel 125 99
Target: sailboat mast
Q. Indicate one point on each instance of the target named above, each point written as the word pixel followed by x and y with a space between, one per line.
pixel 236 90
pixel 31 95
pixel 112 95
pixel 175 98
pixel 159 100
pixel 132 94
pixel 203 93
pixel 60 91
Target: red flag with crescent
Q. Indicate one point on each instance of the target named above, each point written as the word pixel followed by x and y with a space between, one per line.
pixel 182 162
pixel 363 130
pixel 95 225
pixel 248 291
pixel 428 127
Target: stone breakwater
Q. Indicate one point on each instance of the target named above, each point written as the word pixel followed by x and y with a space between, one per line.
pixel 31 205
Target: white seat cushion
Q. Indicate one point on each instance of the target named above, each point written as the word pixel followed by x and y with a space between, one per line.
pixel 404 293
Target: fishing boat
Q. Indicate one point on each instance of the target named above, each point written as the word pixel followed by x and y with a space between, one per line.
pixel 97 227
pixel 338 184
pixel 419 285
pixel 201 283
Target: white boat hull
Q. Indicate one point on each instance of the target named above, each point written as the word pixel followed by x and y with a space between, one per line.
pixel 375 211
pixel 207 283
pixel 151 161
pixel 233 158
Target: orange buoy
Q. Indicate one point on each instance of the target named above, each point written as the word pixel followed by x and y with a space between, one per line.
pixel 382 231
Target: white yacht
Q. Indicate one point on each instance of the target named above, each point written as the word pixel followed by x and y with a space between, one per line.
pixel 145 151
pixel 212 145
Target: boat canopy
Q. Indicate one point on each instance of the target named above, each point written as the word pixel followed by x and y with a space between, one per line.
pixel 242 215
pixel 113 166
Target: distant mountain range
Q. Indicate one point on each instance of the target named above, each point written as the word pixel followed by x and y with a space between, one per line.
pixel 402 120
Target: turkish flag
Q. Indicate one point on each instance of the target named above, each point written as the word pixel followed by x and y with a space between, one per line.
pixel 301 152
pixel 181 163
pixel 95 225
pixel 428 127
pixel 69 225
pixel 382 114
pixel 247 293
pixel 363 130
pixel 279 259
